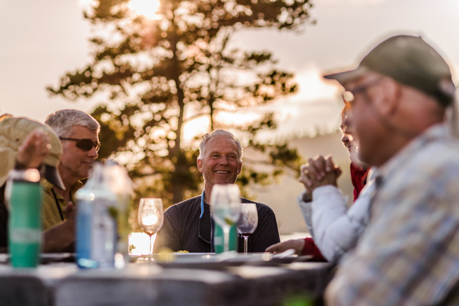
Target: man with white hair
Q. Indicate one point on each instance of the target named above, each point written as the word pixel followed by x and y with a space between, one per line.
pixel 188 225
pixel 408 254
pixel 79 134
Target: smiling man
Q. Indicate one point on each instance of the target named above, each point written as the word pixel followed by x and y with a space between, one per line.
pixel 188 225
pixel 79 134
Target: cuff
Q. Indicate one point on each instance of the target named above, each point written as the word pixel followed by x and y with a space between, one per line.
pixel 310 248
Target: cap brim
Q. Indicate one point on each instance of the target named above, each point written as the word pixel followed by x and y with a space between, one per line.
pixel 345 76
pixel 52 175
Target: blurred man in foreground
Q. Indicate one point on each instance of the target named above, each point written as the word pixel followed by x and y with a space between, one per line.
pixel 408 253
pixel 28 144
pixel 188 225
pixel 79 134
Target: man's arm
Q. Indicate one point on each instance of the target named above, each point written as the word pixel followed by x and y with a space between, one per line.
pixel 61 237
pixel 266 233
pixel 317 172
pixel 337 228
pixel 168 236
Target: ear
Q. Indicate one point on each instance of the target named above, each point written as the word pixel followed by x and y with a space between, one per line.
pixel 386 97
pixel 199 162
pixel 239 168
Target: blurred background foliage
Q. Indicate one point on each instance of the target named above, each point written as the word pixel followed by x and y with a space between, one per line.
pixel 158 74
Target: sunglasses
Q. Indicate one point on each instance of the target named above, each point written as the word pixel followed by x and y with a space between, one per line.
pixel 349 95
pixel 84 144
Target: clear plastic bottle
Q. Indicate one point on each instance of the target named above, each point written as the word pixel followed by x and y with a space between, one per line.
pixel 96 228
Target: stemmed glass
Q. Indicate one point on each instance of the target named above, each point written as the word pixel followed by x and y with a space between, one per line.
pixel 248 222
pixel 150 217
pixel 225 204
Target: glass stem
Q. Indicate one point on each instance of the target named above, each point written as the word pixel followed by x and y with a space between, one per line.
pixel 246 243
pixel 150 251
pixel 226 231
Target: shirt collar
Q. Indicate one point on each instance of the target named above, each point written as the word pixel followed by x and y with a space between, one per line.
pixel 47 186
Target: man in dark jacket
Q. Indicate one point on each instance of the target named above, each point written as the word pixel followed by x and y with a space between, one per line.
pixel 188 225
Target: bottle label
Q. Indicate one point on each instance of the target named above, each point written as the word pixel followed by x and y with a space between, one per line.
pixel 25 235
pixel 219 238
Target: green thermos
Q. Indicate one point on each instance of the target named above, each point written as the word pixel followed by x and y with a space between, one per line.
pixel 24 226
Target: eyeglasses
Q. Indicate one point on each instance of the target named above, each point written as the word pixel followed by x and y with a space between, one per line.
pixel 349 95
pixel 84 144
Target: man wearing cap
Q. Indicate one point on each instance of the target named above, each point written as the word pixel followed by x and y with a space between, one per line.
pixel 28 144
pixel 79 134
pixel 408 254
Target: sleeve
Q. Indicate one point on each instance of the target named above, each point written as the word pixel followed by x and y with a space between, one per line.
pixel 266 233
pixel 168 236
pixel 408 254
pixel 306 210
pixel 337 229
pixel 310 248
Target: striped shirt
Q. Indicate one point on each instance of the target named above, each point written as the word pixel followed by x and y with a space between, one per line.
pixel 409 253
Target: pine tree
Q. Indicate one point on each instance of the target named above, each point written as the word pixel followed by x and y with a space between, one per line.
pixel 157 75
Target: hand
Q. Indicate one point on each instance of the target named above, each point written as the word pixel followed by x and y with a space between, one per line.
pixel 320 171
pixel 33 151
pixel 70 213
pixel 296 244
pixel 60 237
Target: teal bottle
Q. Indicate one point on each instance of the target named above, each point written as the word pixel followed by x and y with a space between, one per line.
pixel 219 236
pixel 24 226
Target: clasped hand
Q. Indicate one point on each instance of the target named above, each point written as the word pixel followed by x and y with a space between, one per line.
pixel 319 171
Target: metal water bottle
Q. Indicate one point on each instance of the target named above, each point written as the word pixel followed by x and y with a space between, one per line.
pixel 25 198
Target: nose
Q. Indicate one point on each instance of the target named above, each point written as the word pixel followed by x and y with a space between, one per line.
pixel 223 160
pixel 93 153
pixel 347 138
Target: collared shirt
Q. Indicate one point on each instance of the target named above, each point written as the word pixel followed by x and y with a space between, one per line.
pixel 50 211
pixel 183 229
pixel 409 253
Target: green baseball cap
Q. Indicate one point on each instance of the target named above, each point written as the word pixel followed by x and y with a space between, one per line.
pixel 408 60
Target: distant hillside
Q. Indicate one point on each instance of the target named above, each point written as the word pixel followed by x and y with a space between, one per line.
pixel 281 197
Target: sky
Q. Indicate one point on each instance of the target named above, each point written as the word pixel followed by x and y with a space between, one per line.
pixel 43 39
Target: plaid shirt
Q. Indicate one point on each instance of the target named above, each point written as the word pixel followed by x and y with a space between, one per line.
pixel 409 253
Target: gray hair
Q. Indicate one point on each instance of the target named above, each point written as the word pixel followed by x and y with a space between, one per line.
pixel 63 120
pixel 208 136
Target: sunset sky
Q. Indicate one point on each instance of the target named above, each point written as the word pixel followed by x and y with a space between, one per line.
pixel 41 40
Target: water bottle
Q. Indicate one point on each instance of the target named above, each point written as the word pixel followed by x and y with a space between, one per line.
pixel 218 238
pixel 25 198
pixel 96 229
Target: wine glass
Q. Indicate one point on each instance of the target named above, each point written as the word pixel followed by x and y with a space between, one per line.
pixel 225 204
pixel 248 222
pixel 150 217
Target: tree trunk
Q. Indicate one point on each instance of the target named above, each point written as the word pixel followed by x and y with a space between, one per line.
pixel 177 188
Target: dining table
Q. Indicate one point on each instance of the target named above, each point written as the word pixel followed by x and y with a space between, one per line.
pixel 168 279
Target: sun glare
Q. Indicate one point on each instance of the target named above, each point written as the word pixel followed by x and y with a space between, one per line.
pixel 147 8
pixel 140 243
